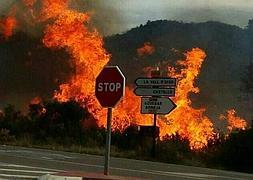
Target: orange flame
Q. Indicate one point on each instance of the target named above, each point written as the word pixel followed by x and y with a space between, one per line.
pixel 7 26
pixel 234 122
pixel 190 123
pixel 84 44
pixel 36 100
pixel 146 50
pixel 54 8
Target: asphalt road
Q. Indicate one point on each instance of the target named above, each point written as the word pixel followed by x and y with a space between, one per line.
pixel 28 163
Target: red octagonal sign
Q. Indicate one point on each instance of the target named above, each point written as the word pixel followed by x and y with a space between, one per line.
pixel 110 86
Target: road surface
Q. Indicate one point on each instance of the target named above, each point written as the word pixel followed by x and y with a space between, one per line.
pixel 29 163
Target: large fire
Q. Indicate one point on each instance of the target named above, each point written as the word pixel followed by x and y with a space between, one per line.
pixel 190 123
pixel 72 30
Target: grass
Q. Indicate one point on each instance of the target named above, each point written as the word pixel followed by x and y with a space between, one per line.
pixel 94 149
pixel 27 141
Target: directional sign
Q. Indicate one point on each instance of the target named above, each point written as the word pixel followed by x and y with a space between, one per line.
pixel 110 86
pixel 151 105
pixel 145 91
pixel 156 82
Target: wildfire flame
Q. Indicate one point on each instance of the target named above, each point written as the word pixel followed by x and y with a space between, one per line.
pixel 8 23
pixel 72 30
pixel 7 26
pixel 234 122
pixel 86 48
pixel 146 50
pixel 36 100
pixel 188 122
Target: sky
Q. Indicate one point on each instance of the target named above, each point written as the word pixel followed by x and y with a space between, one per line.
pixel 131 13
pixel 117 16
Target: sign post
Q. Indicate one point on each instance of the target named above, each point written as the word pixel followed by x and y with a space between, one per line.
pixel 109 89
pixel 157 90
pixel 108 141
pixel 153 152
pixel 154 74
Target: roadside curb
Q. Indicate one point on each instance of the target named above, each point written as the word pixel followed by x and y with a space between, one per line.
pixel 56 177
pixel 83 176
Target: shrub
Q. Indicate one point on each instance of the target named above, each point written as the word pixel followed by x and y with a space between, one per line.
pixel 5 136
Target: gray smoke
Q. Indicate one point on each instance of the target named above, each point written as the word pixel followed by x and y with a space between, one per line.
pixel 105 17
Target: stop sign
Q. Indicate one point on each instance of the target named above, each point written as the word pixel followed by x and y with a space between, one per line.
pixel 110 86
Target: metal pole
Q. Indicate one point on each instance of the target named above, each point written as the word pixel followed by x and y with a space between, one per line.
pixel 155 73
pixel 108 141
pixel 154 137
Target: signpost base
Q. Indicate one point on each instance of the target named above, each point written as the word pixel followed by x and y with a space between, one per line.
pixel 108 142
pixel 153 152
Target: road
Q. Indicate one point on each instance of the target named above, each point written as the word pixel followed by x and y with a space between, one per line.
pixel 29 163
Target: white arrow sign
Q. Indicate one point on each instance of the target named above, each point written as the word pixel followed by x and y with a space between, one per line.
pixel 156 82
pixel 144 91
pixel 150 105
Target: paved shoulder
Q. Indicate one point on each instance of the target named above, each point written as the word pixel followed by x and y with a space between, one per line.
pixel 28 163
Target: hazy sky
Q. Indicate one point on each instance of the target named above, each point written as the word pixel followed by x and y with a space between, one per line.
pixel 120 15
pixel 136 12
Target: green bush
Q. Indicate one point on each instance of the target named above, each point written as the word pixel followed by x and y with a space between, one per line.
pixel 173 149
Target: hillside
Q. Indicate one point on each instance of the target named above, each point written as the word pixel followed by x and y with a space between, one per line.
pixel 227 48
pixel 28 69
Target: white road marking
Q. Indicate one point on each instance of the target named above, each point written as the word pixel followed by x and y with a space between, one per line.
pixel 197 175
pixel 123 169
pixel 6 171
pixel 27 171
pixel 55 177
pixel 18 176
pixel 36 153
pixel 46 158
pixel 159 173
pixel 188 174
pixel 163 173
pixel 32 167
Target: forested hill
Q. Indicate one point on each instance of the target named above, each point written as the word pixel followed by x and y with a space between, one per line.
pixel 24 61
pixel 227 48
